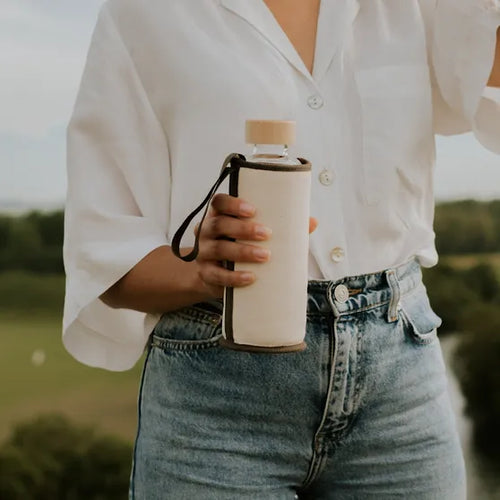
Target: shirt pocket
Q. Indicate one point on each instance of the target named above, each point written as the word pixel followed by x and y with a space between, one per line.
pixel 420 322
pixel 396 102
pixel 194 327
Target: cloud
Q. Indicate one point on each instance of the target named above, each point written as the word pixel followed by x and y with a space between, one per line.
pixel 33 169
pixel 43 45
pixel 465 169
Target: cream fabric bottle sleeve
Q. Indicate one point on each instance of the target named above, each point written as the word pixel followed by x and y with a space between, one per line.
pixel 269 315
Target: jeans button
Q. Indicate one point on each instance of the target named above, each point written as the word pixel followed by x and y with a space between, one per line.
pixel 341 293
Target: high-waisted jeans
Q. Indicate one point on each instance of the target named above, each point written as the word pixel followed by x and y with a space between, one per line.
pixel 362 413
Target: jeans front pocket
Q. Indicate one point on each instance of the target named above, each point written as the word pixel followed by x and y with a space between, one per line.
pixel 194 327
pixel 419 319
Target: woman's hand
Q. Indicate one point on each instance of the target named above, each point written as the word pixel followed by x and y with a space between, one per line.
pixel 228 217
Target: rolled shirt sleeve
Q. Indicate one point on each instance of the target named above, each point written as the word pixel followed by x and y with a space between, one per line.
pixel 118 182
pixel 461 42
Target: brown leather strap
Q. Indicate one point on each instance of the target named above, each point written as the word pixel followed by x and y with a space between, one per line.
pixel 230 165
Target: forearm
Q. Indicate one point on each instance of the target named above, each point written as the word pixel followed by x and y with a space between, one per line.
pixel 160 282
pixel 494 80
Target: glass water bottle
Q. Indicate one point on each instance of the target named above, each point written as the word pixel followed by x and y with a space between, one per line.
pixel 270 314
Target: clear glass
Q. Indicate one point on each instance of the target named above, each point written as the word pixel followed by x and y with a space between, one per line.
pixel 272 153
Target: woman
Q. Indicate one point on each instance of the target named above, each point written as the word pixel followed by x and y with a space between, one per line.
pixel 363 412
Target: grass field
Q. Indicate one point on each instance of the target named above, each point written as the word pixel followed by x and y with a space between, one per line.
pixel 469 260
pixel 30 320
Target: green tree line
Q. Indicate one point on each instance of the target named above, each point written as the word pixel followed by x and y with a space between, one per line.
pixel 467 226
pixel 33 241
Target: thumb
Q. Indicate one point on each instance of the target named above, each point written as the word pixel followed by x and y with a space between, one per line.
pixel 313 224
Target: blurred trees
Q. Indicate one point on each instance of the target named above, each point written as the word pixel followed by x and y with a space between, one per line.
pixel 49 457
pixel 467 226
pixel 477 365
pixel 453 291
pixel 32 242
pixel 468 301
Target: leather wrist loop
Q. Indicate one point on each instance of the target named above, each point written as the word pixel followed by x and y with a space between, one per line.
pixel 227 168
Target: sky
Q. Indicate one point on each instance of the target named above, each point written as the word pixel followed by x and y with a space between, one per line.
pixel 43 46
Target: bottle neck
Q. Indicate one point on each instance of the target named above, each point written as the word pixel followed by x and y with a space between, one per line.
pixel 270 152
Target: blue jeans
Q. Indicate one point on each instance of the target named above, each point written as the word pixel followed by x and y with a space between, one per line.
pixel 362 413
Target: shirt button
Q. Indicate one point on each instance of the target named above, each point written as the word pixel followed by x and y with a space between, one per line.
pixel 337 254
pixel 326 177
pixel 341 293
pixel 315 101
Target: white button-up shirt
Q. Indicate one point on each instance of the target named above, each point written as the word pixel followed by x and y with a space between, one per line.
pixel 164 97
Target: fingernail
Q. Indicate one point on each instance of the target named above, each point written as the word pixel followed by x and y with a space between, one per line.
pixel 247 277
pixel 261 253
pixel 247 209
pixel 263 231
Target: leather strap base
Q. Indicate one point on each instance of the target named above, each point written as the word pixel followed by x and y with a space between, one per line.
pixel 254 348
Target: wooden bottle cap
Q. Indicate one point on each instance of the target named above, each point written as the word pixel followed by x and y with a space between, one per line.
pixel 270 132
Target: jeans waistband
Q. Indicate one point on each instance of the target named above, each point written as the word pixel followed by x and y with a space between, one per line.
pixel 353 294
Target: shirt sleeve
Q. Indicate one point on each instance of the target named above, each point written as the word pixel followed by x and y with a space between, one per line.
pixel 118 181
pixel 461 43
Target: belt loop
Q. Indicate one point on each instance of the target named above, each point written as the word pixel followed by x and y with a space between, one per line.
pixel 392 280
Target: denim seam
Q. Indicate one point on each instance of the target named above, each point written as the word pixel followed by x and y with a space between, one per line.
pixel 372 306
pixel 339 375
pixel 185 345
pixel 139 414
pixel 350 391
pixel 198 315
pixel 317 466
pixel 419 338
pixel 358 310
pixel 336 440
pixel 357 386
pixel 339 437
pixel 393 281
pixel 317 457
pixel 366 308
pixel 428 339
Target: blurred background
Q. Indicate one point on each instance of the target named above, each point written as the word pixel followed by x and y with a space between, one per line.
pixel 67 430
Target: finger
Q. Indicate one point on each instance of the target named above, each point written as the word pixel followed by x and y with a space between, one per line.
pixel 221 250
pixel 231 205
pixel 215 275
pixel 313 224
pixel 233 227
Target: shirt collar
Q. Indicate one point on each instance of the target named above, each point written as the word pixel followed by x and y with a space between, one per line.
pixel 334 21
